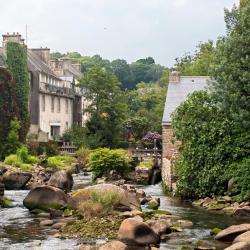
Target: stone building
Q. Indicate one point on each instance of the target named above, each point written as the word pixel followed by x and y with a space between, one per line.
pixel 71 73
pixel 52 92
pixel 178 89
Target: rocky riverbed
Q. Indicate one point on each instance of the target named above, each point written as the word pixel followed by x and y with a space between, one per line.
pixel 178 224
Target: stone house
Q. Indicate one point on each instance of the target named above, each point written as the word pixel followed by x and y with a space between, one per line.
pixel 52 92
pixel 179 88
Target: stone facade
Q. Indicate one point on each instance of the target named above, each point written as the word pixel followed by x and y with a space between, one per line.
pixel 179 88
pixel 169 154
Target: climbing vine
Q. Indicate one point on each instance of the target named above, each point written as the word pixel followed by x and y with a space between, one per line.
pixel 17 64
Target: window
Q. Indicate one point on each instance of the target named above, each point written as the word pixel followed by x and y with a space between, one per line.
pixel 43 103
pixel 67 106
pixel 52 104
pixel 67 125
pixel 58 105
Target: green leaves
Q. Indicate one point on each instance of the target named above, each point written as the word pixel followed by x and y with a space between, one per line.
pixel 103 160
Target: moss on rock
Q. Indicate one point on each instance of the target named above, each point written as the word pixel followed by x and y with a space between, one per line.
pixel 94 228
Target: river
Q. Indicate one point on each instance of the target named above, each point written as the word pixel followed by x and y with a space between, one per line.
pixel 20 230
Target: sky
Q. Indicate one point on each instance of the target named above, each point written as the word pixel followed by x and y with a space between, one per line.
pixel 126 29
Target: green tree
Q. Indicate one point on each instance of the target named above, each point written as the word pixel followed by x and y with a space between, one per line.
pixel 123 72
pixel 197 64
pixel 17 64
pixel 206 150
pixel 107 107
pixel 231 75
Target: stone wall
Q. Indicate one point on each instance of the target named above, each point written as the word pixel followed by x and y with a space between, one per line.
pixel 169 153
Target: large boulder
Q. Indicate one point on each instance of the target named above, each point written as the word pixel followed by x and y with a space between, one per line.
pixel 159 226
pixel 45 197
pixel 233 231
pixel 133 232
pixel 242 211
pixel 128 200
pixel 62 179
pixel 245 237
pixel 239 246
pixel 15 180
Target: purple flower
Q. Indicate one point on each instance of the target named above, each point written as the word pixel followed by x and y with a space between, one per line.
pixel 150 136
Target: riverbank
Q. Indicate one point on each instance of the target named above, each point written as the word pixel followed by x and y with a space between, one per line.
pixel 23 231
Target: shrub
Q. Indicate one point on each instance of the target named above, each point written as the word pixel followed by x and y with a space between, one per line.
pixel 103 160
pixel 146 164
pixel 240 172
pixel 82 156
pixel 21 159
pixel 10 160
pixel 60 162
pixel 77 135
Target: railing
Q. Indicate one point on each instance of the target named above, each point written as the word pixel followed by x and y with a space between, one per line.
pixel 50 88
pixel 68 148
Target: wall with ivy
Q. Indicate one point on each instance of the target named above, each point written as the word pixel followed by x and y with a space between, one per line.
pixel 17 64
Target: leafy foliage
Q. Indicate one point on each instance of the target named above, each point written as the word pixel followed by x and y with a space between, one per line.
pixel 77 135
pixel 82 156
pixel 60 162
pixel 197 64
pixel 8 110
pixel 206 150
pixel 12 140
pixel 107 107
pixel 21 159
pixel 240 172
pixel 17 64
pixel 103 160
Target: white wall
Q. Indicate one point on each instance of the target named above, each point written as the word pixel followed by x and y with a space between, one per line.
pixel 61 117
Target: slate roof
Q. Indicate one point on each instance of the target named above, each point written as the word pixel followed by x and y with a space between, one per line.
pixel 178 92
pixel 35 63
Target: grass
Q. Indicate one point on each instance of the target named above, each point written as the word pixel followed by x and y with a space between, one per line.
pixel 60 162
pixel 14 161
pixel 95 203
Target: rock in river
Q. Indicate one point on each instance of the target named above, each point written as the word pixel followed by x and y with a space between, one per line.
pixel 45 197
pixel 134 232
pixel 62 179
pixel 231 232
pixel 16 180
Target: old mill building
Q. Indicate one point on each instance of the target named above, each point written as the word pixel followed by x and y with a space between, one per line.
pixel 179 88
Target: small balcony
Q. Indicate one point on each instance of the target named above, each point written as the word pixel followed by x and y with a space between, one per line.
pixel 53 89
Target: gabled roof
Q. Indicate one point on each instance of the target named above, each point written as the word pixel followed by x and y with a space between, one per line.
pixel 178 92
pixel 74 71
pixel 35 63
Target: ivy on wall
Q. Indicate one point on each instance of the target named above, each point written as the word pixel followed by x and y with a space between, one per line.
pixel 17 64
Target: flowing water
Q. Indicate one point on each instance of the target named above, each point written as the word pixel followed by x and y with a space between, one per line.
pixel 203 220
pixel 19 229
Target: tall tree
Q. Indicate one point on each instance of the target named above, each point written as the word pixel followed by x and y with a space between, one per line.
pixel 107 107
pixel 197 64
pixel 231 75
pixel 17 64
pixel 123 72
